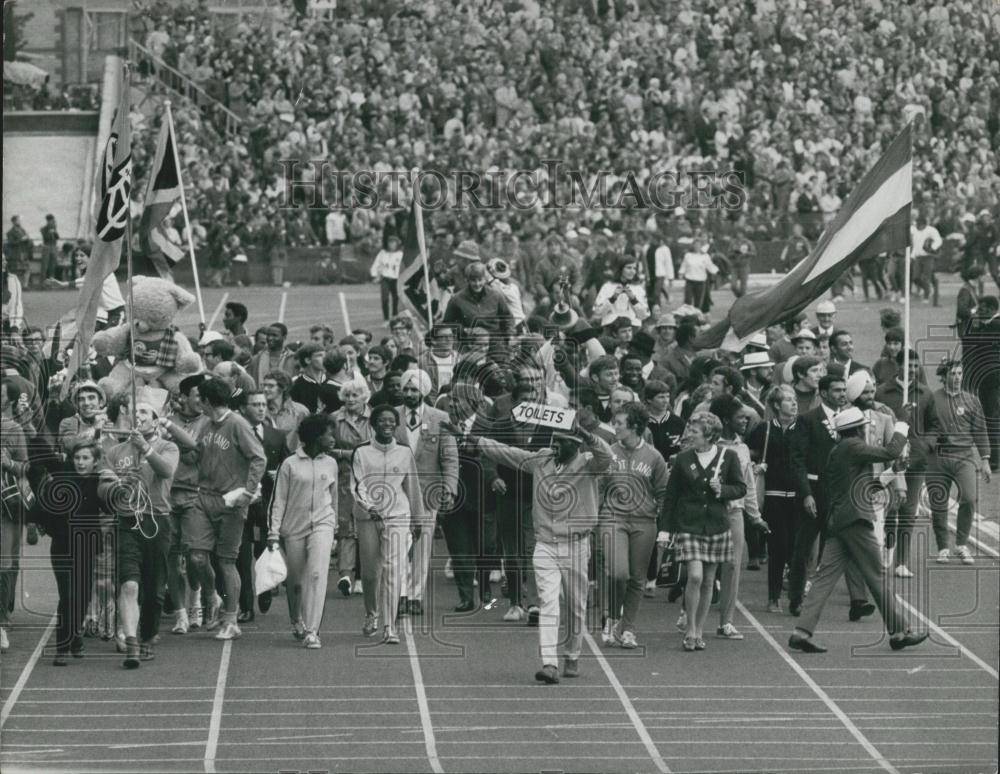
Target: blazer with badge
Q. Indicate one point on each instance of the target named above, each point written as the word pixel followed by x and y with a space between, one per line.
pixel 852 480
pixel 690 505
pixel 820 440
pixel 436 454
pixel 275 443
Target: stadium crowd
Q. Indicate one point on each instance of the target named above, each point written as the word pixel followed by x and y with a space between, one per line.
pixel 684 465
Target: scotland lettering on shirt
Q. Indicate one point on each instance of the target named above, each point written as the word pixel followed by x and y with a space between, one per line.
pixel 218 440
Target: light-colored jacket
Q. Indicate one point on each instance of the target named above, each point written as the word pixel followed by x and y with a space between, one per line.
pixel 385 477
pixel 436 454
pixel 305 495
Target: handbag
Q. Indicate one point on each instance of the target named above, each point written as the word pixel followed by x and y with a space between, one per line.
pixel 759 478
pixel 669 573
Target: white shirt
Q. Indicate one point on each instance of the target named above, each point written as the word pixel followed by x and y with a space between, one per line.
pixel 111 296
pixel 445 368
pixel 335 227
pixel 413 435
pixel 663 263
pixel 697 266
pixel 386 264
pixel 919 236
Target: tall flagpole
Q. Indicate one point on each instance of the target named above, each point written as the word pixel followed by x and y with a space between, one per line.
pixel 906 328
pixel 128 260
pixel 187 222
pixel 419 214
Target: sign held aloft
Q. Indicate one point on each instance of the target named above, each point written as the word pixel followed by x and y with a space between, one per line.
pixel 548 416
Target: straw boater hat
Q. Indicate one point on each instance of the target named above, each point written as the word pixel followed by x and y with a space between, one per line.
pixel 564 316
pixel 848 418
pixel 755 360
pixel 469 250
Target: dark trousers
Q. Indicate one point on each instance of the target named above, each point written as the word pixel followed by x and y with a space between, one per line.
pixel 900 520
pixel 698 295
pixel 463 533
pixel 390 298
pixel 782 516
pixel 756 542
pixel 516 533
pixel 804 548
pixel 74 561
pixel 250 551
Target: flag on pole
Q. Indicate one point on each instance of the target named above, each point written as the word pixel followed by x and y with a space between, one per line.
pixel 163 192
pixel 113 192
pixel 875 219
pixel 412 285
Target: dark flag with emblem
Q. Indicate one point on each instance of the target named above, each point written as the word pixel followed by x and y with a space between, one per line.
pixel 113 183
pixel 163 191
pixel 413 283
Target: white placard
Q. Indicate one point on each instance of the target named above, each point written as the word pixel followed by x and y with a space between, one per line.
pixel 548 416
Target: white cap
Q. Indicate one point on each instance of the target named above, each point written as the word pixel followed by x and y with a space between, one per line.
pixel 208 337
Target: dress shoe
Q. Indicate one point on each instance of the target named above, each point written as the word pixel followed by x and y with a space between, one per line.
pixel 416 607
pixel 61 659
pixel 465 607
pixel 805 644
pixel 860 610
pixel 76 646
pixel 908 640
pixel 795 609
pixel 547 674
pixel 344 586
pixel 534 613
pixel 245 617
pixel 132 652
pixel 264 601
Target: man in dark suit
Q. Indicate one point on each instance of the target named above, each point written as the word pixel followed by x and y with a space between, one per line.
pixel 851 537
pixel 842 354
pixel 255 528
pixel 981 366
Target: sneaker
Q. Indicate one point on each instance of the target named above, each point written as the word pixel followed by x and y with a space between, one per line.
pixel 390 637
pixel 120 643
pixel 728 632
pixel 181 624
pixel 903 572
pixel 805 590
pixel 229 631
pixel 196 618
pixel 627 640
pixel 774 606
pixel 495 576
pixel 515 613
pixel 132 653
pixel 682 621
pixel 650 589
pixel 212 616
pixel 299 630
pixel 4 641
pixel 312 641
pixel 963 553
pixel 344 586
pixel 369 626
pixel 607 632
pixel 944 555
pixel 358 587
pixel 449 573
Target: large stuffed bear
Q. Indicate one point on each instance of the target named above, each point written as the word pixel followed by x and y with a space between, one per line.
pixel 163 356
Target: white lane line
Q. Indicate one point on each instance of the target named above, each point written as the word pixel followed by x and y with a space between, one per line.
pixel 640 727
pixel 949 639
pixel 281 306
pixel 977 543
pixel 218 309
pixel 8 706
pixel 430 743
pixel 220 696
pixel 820 693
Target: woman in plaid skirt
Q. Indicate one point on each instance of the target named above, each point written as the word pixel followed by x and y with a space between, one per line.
pixel 704 478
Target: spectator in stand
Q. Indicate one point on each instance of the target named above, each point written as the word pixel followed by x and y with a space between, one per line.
pixel 624 296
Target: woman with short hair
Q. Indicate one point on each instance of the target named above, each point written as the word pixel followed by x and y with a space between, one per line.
pixel 702 482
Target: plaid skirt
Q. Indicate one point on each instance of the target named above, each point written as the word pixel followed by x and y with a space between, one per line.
pixel 712 549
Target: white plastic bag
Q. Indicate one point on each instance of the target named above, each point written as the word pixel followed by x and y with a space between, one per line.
pixel 269 570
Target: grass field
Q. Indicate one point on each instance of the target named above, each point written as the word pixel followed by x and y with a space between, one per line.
pixel 458 694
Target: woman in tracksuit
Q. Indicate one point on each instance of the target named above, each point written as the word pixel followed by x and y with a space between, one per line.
pixel 632 500
pixel 387 506
pixel 303 519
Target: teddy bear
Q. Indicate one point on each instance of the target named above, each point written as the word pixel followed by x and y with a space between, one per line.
pixel 163 356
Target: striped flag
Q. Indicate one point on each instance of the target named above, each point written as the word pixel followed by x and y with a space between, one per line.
pixel 113 196
pixel 163 192
pixel 875 219
pixel 412 284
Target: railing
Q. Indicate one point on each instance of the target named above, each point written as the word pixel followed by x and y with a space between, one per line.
pixel 224 119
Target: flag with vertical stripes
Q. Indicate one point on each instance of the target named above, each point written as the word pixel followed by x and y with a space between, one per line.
pixel 875 219
pixel 412 283
pixel 113 196
pixel 163 192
